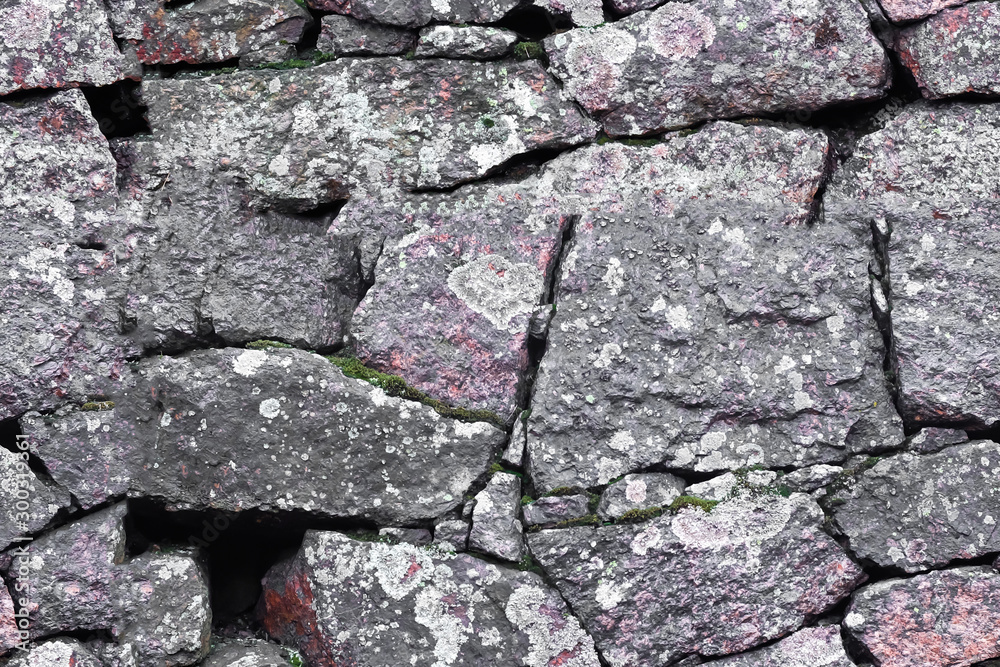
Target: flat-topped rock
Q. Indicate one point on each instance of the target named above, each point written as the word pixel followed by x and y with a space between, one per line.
pixel 554 509
pixel 917 512
pixel 901 11
pixel 686 62
pixel 429 605
pixel 929 440
pixel 639 492
pixel 653 593
pixel 419 12
pixel 955 52
pixel 477 42
pixel 346 36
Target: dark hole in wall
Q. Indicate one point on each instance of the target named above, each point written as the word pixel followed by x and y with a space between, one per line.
pixel 118 109
pixel 534 22
pixel 177 4
pixel 10 432
pixel 237 548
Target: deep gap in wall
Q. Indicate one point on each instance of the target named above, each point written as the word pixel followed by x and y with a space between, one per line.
pixel 315 221
pixel 176 4
pixel 533 22
pixel 311 34
pixel 10 429
pixel 118 109
pixel 90 244
pixel 188 70
pixel 238 548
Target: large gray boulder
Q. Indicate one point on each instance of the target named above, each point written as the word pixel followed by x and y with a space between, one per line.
pixel 430 606
pixel 946 618
pixel 917 512
pixel 927 182
pixel 653 593
pixel 56 44
pixel 709 326
pixel 687 62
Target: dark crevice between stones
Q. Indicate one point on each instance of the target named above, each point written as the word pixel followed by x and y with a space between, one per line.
pixel 533 23
pixel 878 572
pixel 10 435
pixel 516 167
pixel 118 109
pixel 310 36
pixel 188 70
pixel 881 305
pixel 237 549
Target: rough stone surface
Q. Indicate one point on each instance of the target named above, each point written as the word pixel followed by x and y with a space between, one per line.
pixel 55 653
pixel 444 41
pixel 9 636
pixel 57 193
pixel 285 429
pixel 809 647
pixel 19 484
pixel 452 534
pixel 205 31
pixel 419 12
pixel 554 509
pixel 246 653
pixel 639 492
pixel 947 618
pixel 687 62
pixel 577 12
pixel 929 179
pixel 929 440
pixel 316 133
pixel 417 536
pixel 431 607
pixel 709 332
pixel 496 530
pixel 650 594
pixel 917 512
pixel 345 36
pixel 910 10
pixel 514 454
pixel 723 486
pixel 56 44
pixel 812 478
pixel 272 53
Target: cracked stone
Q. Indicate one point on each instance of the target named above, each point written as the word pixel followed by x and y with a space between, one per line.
pixel 513 456
pixel 430 606
pixel 946 618
pixel 345 36
pixel 917 512
pixel 809 647
pixel 584 13
pixel 650 594
pixel 553 509
pixel 639 492
pixel 496 530
pixel 687 62
pixel 477 42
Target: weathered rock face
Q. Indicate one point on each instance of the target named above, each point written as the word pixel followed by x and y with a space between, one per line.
pixel 430 606
pixel 909 10
pixel 546 511
pixel 206 30
pixel 917 512
pixel 247 653
pixel 28 502
pixel 943 618
pixel 285 429
pixel 419 12
pixel 809 647
pixel 57 193
pixel 639 492
pixel 929 177
pixel 955 52
pixel 688 62
pixel 344 36
pixel 929 440
pixel 652 593
pixel 496 530
pixel 55 653
pixel 57 44
pixel 711 332
pixel 465 42
pixel 315 134
pixel 9 637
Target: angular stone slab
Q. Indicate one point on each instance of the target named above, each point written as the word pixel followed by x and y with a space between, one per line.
pixel 900 11
pixel 929 177
pixel 452 304
pixel 650 594
pixel 955 52
pixel 317 133
pixel 56 44
pixel 546 511
pixel 929 440
pixel 946 618
pixel 59 338
pixel 205 31
pixel 687 62
pixel 285 429
pixel 432 607
pixel 419 12
pixel 496 530
pixel 27 502
pixel 708 327
pixel 345 36
pixel 482 43
pixel 639 492
pixel 55 653
pixel 917 512
pixel 809 647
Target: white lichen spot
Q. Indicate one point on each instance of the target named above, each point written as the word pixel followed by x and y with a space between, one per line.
pixel 270 408
pixel 497 289
pixel 249 362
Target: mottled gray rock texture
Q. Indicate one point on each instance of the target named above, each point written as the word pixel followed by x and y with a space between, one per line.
pixel 812 478
pixel 27 502
pixel 955 52
pixel 416 13
pixel 687 62
pixel 205 31
pixel 246 653
pixel 417 536
pixel 345 36
pixel 809 647
pixel 452 534
pixel 514 454
pixel 55 653
pixel 496 530
pixel 56 44
pixel 431 607
pixel 546 511
pixel 9 636
pixel 652 593
pixel 285 429
pixel 908 10
pixel 929 177
pixel 917 512
pixel 577 12
pixel 709 327
pixel 946 618
pixel 639 492
pixel 929 440
pixel 482 43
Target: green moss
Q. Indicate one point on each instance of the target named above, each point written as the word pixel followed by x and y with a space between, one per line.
pixel 529 51
pixel 371 536
pixel 393 385
pixel 593 500
pixel 693 501
pixel 294 657
pixel 526 500
pixel 265 344
pixel 97 406
pixel 527 564
pixel 495 468
pixel 291 63
pixel 589 520
pixel 639 516
pixel 525 414
pixel 564 491
pixel 302 4
pixel 644 143
pixel 487 122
